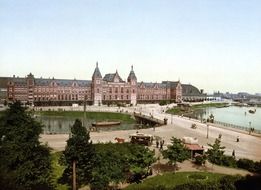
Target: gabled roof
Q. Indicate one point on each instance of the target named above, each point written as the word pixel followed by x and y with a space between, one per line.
pixel 97 73
pixel 110 77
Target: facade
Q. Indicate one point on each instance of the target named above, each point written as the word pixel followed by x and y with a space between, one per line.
pixel 100 90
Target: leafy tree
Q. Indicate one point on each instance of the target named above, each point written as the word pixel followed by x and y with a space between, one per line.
pixel 24 162
pixel 216 153
pixel 139 162
pixel 177 152
pixel 115 163
pixel 80 149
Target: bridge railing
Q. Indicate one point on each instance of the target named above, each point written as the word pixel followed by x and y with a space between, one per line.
pixel 237 127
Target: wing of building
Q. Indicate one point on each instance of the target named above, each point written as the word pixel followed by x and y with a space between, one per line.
pixel 99 90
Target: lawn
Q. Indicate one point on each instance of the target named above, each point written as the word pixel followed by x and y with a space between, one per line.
pixel 98 116
pixel 170 180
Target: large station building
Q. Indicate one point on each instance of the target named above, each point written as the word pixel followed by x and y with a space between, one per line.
pixel 99 90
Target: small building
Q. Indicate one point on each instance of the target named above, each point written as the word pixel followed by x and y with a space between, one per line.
pixel 192 145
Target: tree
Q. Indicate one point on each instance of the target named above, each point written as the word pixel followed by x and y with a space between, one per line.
pixel 24 162
pixel 177 152
pixel 216 152
pixel 115 163
pixel 79 149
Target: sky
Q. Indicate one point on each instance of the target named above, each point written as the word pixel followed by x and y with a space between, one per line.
pixel 212 44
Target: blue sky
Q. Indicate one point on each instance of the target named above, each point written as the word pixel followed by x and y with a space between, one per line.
pixel 213 44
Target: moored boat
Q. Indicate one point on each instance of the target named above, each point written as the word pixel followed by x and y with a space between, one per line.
pixel 106 123
pixel 252 111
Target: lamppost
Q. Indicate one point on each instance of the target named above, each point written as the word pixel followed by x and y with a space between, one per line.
pixel 171 118
pixel 249 127
pixel 207 130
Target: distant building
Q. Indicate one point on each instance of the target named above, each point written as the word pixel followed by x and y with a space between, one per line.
pixel 100 90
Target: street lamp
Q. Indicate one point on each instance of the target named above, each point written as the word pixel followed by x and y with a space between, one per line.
pixel 207 130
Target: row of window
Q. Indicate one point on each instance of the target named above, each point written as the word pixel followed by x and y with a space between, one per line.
pixel 116 97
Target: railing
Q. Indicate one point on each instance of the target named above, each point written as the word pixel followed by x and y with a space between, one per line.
pixel 237 127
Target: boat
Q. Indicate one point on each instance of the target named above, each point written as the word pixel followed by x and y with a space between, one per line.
pixel 106 123
pixel 252 111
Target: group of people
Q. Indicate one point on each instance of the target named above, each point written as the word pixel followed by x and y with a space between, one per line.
pixel 159 144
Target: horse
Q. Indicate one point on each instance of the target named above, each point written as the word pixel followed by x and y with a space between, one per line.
pixel 119 140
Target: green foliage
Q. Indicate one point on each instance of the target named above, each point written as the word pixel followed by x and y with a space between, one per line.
pixel 119 163
pixel 249 165
pixel 200 159
pixel 197 176
pixel 24 162
pixel 177 152
pixel 79 149
pixel 163 102
pixel 168 181
pixel 216 152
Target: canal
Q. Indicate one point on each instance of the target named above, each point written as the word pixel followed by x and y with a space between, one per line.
pixel 233 115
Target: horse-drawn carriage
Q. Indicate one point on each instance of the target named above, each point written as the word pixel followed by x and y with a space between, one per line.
pixel 141 138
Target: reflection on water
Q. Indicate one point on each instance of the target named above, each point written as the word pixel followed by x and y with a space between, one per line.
pixel 234 115
pixel 61 125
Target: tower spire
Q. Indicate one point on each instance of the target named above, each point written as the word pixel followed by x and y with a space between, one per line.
pixel 131 67
pixel 96 63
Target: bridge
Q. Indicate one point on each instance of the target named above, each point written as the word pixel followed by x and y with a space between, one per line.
pixel 149 120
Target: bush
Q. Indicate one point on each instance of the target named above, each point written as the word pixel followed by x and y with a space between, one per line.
pixel 200 160
pixel 228 161
pixel 246 164
pixel 198 185
pixel 163 102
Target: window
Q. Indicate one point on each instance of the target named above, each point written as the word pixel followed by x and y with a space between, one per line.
pixel 116 97
pixel 121 89
pixel 122 97
pixel 110 90
pixel 127 97
pixel 98 90
pixel 116 90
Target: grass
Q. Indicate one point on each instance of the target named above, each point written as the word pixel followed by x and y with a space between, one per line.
pixel 98 116
pixel 170 180
pixel 174 111
pixel 57 171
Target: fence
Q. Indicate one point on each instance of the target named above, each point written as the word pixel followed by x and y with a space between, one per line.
pixel 237 127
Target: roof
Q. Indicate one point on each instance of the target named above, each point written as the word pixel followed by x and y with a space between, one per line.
pixel 62 82
pixel 132 75
pixel 97 73
pixel 152 85
pixel 110 77
pixel 171 84
pixel 190 90
pixel 193 147
pixel 3 82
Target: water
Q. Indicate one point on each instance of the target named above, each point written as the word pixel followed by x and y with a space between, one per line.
pixel 61 125
pixel 233 115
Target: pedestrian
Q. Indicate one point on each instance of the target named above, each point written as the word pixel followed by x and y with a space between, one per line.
pixel 237 138
pixel 157 143
pixel 161 145
pixel 233 153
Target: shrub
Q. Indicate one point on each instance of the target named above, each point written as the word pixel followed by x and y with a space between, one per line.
pixel 200 160
pixel 228 161
pixel 246 164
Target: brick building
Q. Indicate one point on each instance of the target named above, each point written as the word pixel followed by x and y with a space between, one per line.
pixel 100 90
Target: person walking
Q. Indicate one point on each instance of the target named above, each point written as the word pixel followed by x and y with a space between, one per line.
pixel 157 143
pixel 233 154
